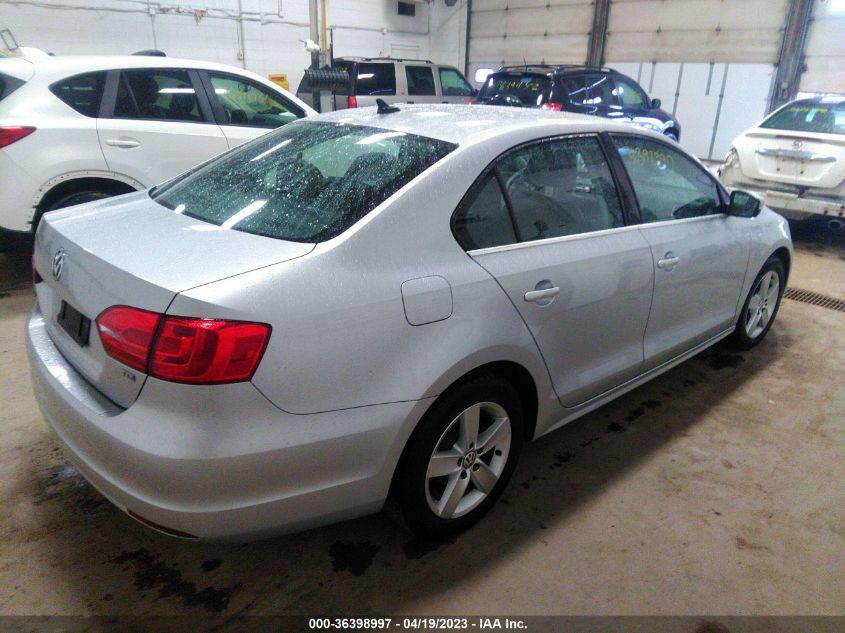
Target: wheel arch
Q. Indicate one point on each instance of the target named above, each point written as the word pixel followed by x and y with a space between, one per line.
pixel 515 373
pixel 59 186
pixel 785 258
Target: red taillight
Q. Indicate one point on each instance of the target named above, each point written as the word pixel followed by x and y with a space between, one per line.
pixel 127 334
pixel 10 134
pixel 36 278
pixel 351 101
pixel 472 101
pixel 551 105
pixel 183 349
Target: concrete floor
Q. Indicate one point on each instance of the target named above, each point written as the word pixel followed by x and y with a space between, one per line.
pixel 718 488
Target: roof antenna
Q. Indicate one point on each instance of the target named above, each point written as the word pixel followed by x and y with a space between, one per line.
pixel 383 108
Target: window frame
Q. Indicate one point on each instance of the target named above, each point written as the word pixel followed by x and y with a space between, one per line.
pixel 625 180
pixel 219 111
pixel 107 105
pixel 630 214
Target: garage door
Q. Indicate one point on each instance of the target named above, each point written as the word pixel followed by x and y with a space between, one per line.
pixel 825 51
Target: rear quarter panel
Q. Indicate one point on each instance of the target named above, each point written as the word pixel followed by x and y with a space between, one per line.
pixel 340 336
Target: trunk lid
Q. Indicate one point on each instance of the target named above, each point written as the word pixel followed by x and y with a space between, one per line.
pixel 804 159
pixel 132 251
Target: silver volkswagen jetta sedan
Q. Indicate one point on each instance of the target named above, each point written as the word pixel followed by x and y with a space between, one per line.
pixel 382 301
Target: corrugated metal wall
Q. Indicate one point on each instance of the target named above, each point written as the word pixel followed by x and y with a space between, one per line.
pixel 513 31
pixel 745 31
pixel 825 52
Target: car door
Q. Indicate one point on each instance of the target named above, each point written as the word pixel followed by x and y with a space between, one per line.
pixel 419 82
pixel 700 254
pixel 157 124
pixel 579 277
pixel 453 87
pixel 245 109
pixel 635 103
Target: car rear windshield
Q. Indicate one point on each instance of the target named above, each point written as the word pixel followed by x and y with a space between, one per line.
pixel 307 182
pixel 809 116
pixel 528 88
pixel 8 85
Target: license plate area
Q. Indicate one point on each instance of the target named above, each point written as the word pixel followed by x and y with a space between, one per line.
pixel 76 324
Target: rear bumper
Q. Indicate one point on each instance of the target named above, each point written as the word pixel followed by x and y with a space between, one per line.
pixel 788 204
pixel 219 462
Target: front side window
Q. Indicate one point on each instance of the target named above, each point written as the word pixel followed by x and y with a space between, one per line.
pixel 420 81
pixel 809 116
pixel 668 185
pixel 630 94
pixel 82 92
pixel 307 182
pixel 560 187
pixel 485 220
pixel 248 104
pixel 375 80
pixel 165 95
pixel 453 84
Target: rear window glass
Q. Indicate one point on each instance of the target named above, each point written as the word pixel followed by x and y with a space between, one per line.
pixel 528 89
pixel 809 116
pixel 375 79
pixel 303 183
pixel 8 85
pixel 82 92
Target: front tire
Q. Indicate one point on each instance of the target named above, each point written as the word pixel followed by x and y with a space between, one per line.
pixel 761 306
pixel 460 459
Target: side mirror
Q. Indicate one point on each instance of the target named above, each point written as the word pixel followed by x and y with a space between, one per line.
pixel 655 104
pixel 743 204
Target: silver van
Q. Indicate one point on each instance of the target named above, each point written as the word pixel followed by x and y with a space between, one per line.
pixel 393 80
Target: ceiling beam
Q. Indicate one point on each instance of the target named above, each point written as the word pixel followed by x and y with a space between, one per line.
pixel 790 64
pixel 598 34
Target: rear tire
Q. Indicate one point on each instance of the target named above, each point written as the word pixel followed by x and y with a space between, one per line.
pixel 761 305
pixel 459 461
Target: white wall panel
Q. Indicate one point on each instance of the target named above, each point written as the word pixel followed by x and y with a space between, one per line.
pixel 695 30
pixel 272 37
pixel 825 52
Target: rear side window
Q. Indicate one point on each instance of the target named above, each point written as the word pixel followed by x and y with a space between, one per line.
pixel 8 85
pixel 307 182
pixel 484 221
pixel 528 89
pixel 420 81
pixel 375 79
pixel 166 95
pixel 82 92
pixel 561 187
pixel 574 89
pixel 602 90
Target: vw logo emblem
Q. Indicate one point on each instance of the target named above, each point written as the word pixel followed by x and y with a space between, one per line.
pixel 58 263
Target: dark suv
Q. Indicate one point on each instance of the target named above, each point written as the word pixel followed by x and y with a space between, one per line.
pixel 583 89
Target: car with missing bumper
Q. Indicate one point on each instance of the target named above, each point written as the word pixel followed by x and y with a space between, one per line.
pixel 381 302
pixel 794 159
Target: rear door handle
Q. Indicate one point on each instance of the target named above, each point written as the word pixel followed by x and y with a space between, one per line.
pixel 543 294
pixel 669 261
pixel 125 143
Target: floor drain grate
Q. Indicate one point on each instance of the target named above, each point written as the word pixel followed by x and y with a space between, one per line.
pixel 814 298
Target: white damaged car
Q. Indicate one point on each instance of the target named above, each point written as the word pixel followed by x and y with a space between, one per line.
pixel 794 159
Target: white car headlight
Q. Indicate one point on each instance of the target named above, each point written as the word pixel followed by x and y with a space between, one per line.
pixel 731 158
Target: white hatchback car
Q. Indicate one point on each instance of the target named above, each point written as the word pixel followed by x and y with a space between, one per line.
pixel 794 159
pixel 75 129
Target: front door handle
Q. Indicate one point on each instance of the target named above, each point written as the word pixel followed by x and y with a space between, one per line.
pixel 543 294
pixel 669 261
pixel 125 143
